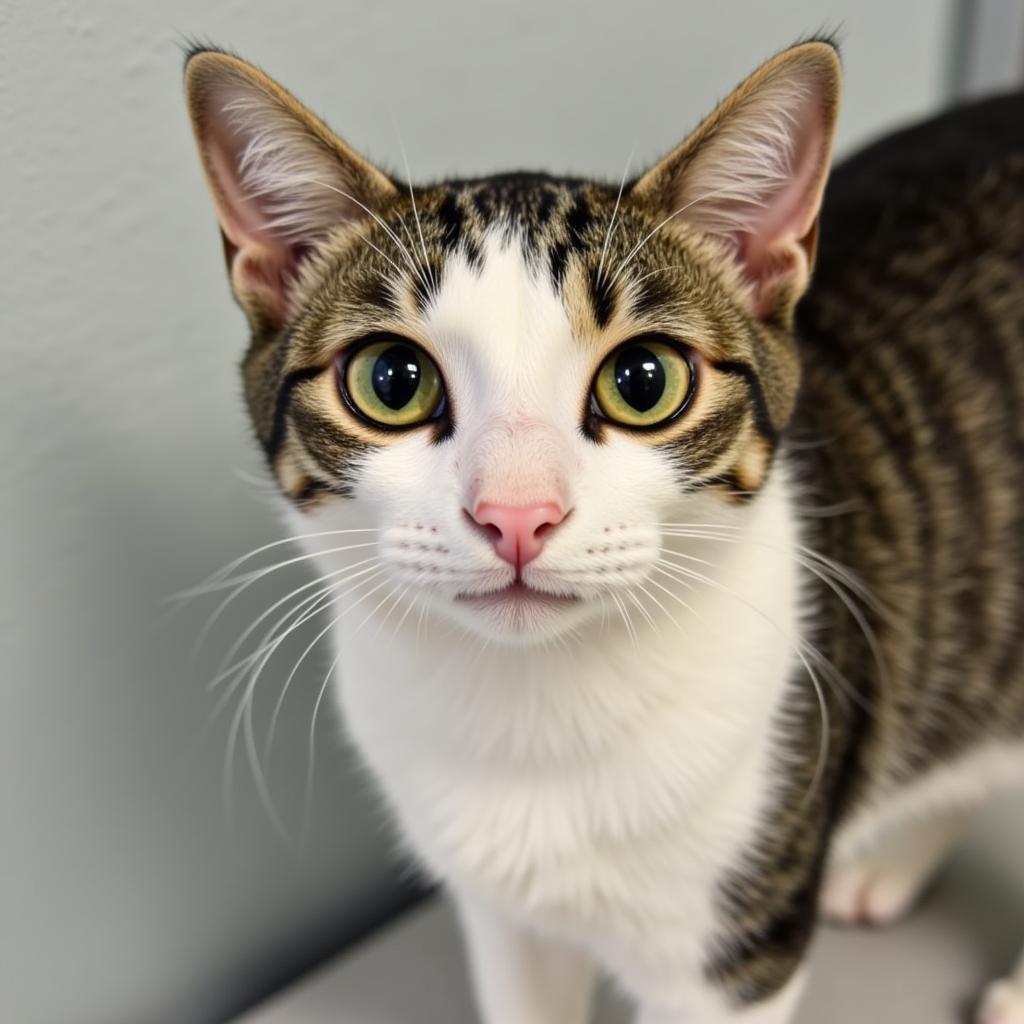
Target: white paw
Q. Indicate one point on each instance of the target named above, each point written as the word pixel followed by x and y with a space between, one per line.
pixel 1003 1004
pixel 870 892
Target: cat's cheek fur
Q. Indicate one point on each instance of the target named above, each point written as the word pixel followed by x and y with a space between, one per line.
pixel 596 794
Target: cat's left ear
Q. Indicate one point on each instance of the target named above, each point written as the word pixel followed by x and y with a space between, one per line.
pixel 753 174
pixel 281 180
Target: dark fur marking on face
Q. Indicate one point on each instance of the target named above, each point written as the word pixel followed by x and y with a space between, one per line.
pixel 423 286
pixel 546 206
pixel 558 258
pixel 312 490
pixel 698 450
pixel 444 431
pixel 450 214
pixel 579 218
pixel 483 200
pixel 762 419
pixel 284 395
pixel 735 490
pixel 455 234
pixel 331 449
pixel 652 295
pixel 602 298
pixel 376 291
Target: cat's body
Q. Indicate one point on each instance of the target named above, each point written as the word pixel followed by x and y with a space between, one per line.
pixel 664 784
pixel 912 343
pixel 908 429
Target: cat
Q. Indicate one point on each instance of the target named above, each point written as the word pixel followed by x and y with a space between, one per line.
pixel 698 606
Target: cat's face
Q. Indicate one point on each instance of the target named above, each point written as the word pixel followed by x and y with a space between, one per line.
pixel 514 383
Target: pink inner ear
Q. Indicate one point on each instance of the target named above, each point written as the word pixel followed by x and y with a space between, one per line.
pixel 262 263
pixel 790 211
pixel 774 246
pixel 243 217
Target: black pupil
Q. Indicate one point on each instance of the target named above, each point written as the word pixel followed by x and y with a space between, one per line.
pixel 640 377
pixel 396 376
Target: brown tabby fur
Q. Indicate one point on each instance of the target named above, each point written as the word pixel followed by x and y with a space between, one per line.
pixel 895 392
pixel 910 419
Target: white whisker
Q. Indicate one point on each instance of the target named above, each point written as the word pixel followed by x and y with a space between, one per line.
pixel 272 728
pixel 412 198
pixel 376 608
pixel 657 603
pixel 796 646
pixel 643 611
pixel 671 593
pixel 833 575
pixel 226 570
pixel 238 644
pixel 387 614
pixel 308 797
pixel 268 648
pixel 841 572
pixel 659 270
pixel 260 574
pixel 242 719
pixel 643 241
pixel 394 237
pixel 405 615
pixel 630 629
pixel 611 221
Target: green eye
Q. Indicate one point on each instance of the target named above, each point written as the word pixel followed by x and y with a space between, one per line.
pixel 394 383
pixel 643 383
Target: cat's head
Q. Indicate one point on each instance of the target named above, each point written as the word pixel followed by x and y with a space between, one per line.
pixel 516 380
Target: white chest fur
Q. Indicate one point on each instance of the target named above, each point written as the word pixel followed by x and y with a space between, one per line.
pixel 597 789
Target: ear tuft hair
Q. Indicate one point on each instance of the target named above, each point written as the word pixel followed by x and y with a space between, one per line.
pixel 281 180
pixel 193 46
pixel 752 175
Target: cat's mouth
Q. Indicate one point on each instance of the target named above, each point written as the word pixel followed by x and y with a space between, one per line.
pixel 518 594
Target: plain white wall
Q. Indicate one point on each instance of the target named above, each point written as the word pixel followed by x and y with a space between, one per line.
pixel 125 895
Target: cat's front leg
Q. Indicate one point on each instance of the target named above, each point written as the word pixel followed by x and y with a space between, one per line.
pixel 1004 1000
pixel 710 1007
pixel 520 977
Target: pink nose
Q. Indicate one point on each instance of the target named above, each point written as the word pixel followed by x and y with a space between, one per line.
pixel 518 531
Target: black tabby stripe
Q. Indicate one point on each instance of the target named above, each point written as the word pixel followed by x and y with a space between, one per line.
pixel 558 261
pixel 578 219
pixel 284 397
pixel 602 298
pixel 762 418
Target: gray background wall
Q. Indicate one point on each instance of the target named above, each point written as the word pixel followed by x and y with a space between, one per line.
pixel 127 468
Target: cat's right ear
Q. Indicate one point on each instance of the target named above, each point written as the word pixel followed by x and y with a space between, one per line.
pixel 279 177
pixel 753 173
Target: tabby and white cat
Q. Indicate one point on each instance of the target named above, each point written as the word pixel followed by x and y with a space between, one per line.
pixel 704 610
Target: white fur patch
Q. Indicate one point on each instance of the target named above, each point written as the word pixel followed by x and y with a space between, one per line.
pixel 588 777
pixel 961 785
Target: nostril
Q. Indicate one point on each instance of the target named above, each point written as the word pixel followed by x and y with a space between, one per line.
pixel 556 518
pixel 490 530
pixel 543 529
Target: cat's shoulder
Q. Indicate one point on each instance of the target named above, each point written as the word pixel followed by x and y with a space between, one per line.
pixel 971 137
pixel 965 162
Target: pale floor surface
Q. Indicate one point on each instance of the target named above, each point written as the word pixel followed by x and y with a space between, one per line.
pixel 927 970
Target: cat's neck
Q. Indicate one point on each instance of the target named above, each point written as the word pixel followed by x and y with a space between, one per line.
pixel 719 653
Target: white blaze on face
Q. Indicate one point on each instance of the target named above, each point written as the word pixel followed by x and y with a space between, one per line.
pixel 516 383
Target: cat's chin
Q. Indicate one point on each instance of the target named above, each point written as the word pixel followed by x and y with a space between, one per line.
pixel 518 612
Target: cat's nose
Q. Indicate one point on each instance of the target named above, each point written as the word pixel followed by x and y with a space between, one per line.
pixel 518 532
